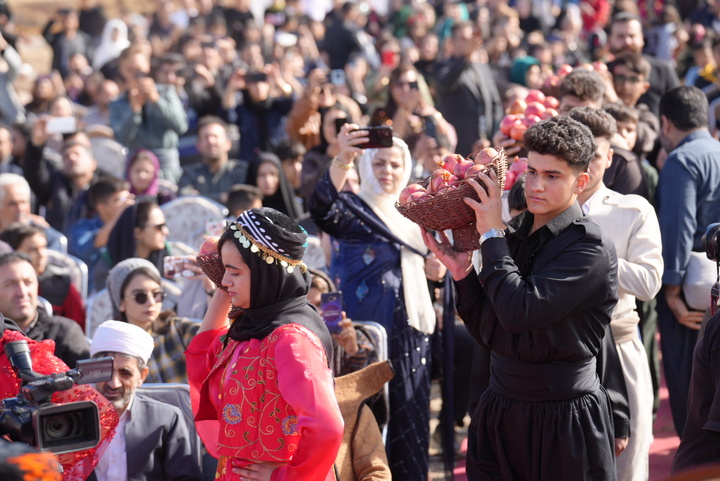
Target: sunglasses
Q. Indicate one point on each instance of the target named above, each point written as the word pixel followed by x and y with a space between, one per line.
pixel 158 227
pixel 142 297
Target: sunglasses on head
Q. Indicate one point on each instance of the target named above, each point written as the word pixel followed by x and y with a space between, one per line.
pixel 142 297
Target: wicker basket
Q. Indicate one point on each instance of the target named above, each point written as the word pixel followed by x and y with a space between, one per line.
pixel 446 209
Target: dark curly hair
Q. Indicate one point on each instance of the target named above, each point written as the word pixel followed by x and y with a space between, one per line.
pixel 600 123
pixel 583 84
pixel 564 138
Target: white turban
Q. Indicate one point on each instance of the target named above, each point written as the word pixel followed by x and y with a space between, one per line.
pixel 123 337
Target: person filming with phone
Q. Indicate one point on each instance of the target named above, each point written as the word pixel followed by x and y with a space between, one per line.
pixel 381 266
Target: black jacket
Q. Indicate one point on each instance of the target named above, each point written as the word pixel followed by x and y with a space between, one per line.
pixel 70 342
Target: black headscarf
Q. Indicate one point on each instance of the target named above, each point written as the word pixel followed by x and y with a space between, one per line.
pixel 121 242
pixel 272 245
pixel 283 199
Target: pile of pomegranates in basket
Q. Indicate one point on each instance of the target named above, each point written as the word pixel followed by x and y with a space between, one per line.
pixel 453 169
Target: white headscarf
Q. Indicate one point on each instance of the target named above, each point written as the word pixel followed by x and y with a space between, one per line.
pixel 110 49
pixel 418 304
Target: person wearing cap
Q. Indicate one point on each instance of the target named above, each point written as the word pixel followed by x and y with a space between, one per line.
pixel 152 441
pixel 262 387
pixel 136 294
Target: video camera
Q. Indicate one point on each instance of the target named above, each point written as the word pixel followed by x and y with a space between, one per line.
pixel 31 417
pixel 711 242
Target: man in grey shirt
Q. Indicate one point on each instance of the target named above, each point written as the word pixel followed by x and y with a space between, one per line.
pixel 215 176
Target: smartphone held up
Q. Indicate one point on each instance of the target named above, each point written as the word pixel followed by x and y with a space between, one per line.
pixel 332 308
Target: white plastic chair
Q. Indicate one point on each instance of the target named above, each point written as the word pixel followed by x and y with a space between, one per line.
pixel 378 336
pixel 186 217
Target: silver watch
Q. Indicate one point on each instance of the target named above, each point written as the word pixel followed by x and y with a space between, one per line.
pixel 492 234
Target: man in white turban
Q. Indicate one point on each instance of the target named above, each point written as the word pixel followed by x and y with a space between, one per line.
pixel 152 442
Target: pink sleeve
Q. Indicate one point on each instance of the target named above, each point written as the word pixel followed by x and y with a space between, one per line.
pixel 200 357
pixel 306 383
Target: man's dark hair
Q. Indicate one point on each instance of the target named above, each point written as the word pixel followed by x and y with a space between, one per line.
pixel 211 120
pixel 685 107
pixel 290 149
pixel 14 234
pixel 622 113
pixel 242 196
pixel 13 258
pixel 600 123
pixel 715 42
pixel 624 17
pixel 171 58
pixel 583 84
pixel 564 138
pixel 516 196
pixel 104 188
pixel 634 62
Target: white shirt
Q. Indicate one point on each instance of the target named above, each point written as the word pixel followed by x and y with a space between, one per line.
pixel 112 466
pixel 631 223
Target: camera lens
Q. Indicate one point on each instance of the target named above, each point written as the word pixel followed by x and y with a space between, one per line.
pixel 62 426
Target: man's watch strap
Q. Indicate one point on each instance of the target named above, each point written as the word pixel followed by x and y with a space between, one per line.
pixel 492 234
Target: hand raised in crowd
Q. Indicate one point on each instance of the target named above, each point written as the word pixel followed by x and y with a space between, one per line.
pixel 347 337
pixel 136 98
pixel 148 87
pixel 458 263
pixel 348 140
pixel 204 76
pixel 39 136
pixel 237 81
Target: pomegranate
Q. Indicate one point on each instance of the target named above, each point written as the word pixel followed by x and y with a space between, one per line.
pixel 438 180
pixel 475 170
pixel 510 177
pixel 531 120
pixel 408 191
pixel 450 161
pixel 462 168
pixel 518 106
pixel 209 246
pixel 534 108
pixel 518 132
pixel 563 70
pixel 418 197
pixel 551 102
pixel 534 96
pixel 549 113
pixel 519 166
pixel 486 156
pixel 507 123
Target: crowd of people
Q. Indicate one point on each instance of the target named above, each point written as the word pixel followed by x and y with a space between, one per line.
pixel 265 109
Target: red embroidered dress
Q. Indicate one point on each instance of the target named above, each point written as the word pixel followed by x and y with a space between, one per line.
pixel 266 400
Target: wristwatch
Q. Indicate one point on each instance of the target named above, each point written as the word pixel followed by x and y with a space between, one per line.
pixel 492 234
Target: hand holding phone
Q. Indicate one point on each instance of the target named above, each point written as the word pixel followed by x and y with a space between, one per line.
pixel 332 309
pixel 379 137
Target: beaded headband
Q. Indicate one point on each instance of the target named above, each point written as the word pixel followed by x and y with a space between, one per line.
pixel 263 246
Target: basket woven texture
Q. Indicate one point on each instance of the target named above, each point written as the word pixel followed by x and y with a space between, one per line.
pixel 446 209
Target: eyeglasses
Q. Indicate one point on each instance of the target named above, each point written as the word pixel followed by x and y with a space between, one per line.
pixel 621 79
pixel 158 227
pixel 142 297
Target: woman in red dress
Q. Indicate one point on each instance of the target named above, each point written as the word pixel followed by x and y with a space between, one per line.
pixel 262 388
